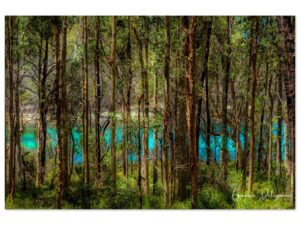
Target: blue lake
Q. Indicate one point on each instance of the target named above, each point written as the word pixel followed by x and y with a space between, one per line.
pixel 29 142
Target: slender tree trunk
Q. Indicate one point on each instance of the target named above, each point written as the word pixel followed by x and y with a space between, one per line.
pixel 261 133
pixel 208 151
pixel 58 112
pixel 113 107
pixel 166 185
pixel 39 135
pixel 161 160
pixel 146 113
pixel 270 133
pixel 237 128
pixel 224 150
pixel 18 150
pixel 128 98
pixel 253 95
pixel 124 131
pixel 139 155
pixel 191 120
pixel 42 119
pixel 85 104
pixel 175 140
pixel 65 116
pixel 279 128
pixel 205 74
pixel 155 165
pixel 202 80
pixel 97 104
pixel 287 147
pixel 11 153
pixel 246 145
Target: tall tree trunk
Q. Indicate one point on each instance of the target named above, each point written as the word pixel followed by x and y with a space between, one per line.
pixel 65 116
pixel 11 153
pixel 40 136
pixel 202 80
pixel 58 112
pixel 97 104
pixel 146 112
pixel 18 150
pixel 191 120
pixel 254 30
pixel 85 104
pixel 166 145
pixel 128 98
pixel 155 165
pixel 175 140
pixel 42 119
pixel 205 74
pixel 246 145
pixel 113 107
pixel 183 153
pixel 224 150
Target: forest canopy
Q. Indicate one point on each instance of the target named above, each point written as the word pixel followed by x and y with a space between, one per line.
pixel 158 112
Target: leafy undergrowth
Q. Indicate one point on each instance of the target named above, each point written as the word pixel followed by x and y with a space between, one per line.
pixel 212 194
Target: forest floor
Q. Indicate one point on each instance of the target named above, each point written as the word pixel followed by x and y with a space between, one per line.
pixel 212 194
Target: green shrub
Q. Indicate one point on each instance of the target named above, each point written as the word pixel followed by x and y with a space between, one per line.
pixel 212 198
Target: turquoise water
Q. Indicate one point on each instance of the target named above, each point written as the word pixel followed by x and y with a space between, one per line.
pixel 29 142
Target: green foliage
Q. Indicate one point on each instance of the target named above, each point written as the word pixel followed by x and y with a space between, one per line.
pixel 212 198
